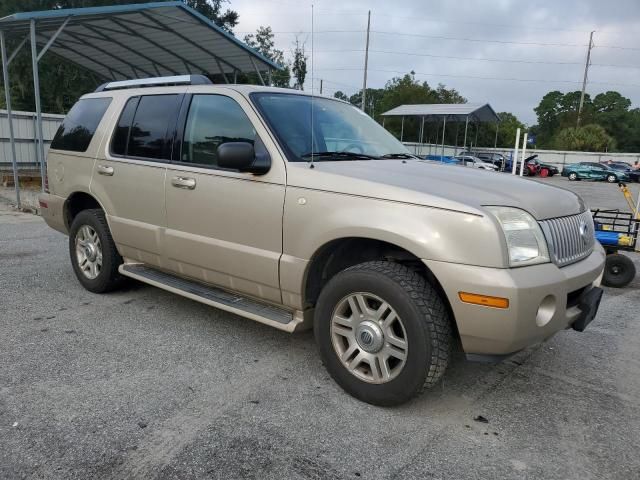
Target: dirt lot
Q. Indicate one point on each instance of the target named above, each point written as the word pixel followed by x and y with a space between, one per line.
pixel 145 384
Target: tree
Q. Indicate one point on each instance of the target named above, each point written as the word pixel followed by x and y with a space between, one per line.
pixel 589 138
pixel 263 42
pixel 299 66
pixel 341 96
pixel 212 9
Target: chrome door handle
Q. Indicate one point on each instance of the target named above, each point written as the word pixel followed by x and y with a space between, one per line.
pixel 108 171
pixel 184 182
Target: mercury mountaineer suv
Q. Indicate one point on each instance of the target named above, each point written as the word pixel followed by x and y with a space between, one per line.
pixel 302 212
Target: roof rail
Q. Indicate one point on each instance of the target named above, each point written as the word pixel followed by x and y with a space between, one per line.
pixel 155 82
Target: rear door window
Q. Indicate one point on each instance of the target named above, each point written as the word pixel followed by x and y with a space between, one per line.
pixel 148 136
pixel 145 127
pixel 80 125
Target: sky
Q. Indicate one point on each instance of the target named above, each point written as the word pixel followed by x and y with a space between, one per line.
pixel 508 53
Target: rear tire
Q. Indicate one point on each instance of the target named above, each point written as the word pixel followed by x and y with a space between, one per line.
pixel 544 173
pixel 94 256
pixel 619 271
pixel 573 176
pixel 361 347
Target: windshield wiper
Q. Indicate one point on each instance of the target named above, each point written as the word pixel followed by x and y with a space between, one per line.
pixel 339 155
pixel 399 155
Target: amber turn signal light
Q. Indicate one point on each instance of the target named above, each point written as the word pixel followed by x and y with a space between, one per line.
pixel 484 300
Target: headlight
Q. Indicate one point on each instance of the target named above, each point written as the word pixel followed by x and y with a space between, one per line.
pixel 525 240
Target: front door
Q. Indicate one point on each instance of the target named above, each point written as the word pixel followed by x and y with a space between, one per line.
pixel 224 227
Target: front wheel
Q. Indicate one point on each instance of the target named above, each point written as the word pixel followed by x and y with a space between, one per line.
pixel 612 178
pixel 573 176
pixel 93 253
pixel 383 332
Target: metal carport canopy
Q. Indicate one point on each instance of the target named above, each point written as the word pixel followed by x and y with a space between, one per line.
pixel 452 111
pixel 138 40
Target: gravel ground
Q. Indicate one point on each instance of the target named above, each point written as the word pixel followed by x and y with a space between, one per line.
pixel 145 384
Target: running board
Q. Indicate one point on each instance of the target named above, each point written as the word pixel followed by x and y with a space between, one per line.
pixel 216 297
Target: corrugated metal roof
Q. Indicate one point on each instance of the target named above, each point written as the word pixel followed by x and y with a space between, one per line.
pixel 139 40
pixel 452 111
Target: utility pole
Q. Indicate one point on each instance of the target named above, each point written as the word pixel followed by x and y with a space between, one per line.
pixel 584 81
pixel 366 63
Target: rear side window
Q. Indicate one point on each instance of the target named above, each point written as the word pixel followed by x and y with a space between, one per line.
pixel 142 130
pixel 80 125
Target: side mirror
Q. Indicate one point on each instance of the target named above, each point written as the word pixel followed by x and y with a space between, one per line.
pixel 243 157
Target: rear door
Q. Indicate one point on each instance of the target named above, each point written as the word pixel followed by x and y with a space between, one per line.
pixel 129 177
pixel 224 227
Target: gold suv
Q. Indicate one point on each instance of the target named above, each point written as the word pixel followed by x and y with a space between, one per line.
pixel 300 211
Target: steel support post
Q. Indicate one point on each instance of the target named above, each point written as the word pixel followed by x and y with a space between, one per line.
pixel 466 127
pixel 36 94
pixel 495 142
pixel 402 129
pixel 7 94
pixel 444 127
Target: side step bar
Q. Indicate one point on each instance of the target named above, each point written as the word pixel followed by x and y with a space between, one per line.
pixel 216 297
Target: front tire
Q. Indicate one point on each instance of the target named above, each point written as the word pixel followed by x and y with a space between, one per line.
pixel 383 332
pixel 612 178
pixel 94 256
pixel 573 176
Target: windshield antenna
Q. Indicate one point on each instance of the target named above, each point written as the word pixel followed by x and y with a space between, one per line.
pixel 312 92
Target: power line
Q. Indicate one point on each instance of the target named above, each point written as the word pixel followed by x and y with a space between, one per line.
pixel 536 62
pixel 532 80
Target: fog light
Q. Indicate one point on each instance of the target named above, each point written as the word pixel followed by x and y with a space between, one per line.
pixel 546 310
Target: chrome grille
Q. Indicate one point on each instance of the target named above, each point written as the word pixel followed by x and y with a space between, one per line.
pixel 570 239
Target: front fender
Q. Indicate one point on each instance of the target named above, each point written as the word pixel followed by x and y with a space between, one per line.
pixel 314 218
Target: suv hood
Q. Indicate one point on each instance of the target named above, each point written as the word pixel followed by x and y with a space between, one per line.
pixel 433 184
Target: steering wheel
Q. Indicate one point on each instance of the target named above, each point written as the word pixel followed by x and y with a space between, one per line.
pixel 356 146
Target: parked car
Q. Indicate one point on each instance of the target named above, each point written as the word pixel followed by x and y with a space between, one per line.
pixel 534 167
pixel 593 171
pixel 475 162
pixel 621 166
pixel 223 194
pixel 497 159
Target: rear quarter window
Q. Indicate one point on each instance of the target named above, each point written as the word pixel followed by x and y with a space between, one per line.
pixel 80 125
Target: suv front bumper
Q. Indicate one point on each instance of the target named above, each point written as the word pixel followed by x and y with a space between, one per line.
pixel 543 299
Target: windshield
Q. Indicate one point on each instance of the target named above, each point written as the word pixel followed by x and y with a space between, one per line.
pixel 340 131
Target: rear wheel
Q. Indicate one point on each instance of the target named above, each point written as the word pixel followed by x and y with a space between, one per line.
pixel 612 178
pixel 93 253
pixel 619 271
pixel 544 172
pixel 383 332
pixel 573 176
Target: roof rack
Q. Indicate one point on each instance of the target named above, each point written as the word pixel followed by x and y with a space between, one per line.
pixel 155 82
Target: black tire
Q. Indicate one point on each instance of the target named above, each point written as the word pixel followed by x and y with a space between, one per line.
pixel 573 176
pixel 108 278
pixel 612 178
pixel 425 319
pixel 619 271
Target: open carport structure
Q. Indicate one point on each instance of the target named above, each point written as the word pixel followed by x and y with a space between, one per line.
pixel 125 41
pixel 445 112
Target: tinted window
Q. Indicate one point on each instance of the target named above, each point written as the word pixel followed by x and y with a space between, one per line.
pixel 80 124
pixel 148 135
pixel 121 134
pixel 212 121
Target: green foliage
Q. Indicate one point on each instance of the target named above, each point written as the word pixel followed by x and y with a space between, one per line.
pixel 263 42
pixel 588 138
pixel 557 114
pixel 299 66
